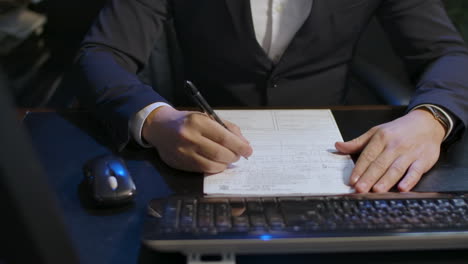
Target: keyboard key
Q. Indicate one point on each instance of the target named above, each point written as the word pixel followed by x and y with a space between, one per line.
pixel 170 220
pixel 187 216
pixel 205 215
pixel 240 223
pixel 459 202
pixel 273 215
pixel 223 216
pixel 254 206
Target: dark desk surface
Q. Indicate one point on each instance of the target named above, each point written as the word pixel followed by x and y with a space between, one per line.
pixel 65 141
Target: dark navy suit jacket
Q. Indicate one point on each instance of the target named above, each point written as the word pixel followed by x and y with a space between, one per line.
pixel 221 55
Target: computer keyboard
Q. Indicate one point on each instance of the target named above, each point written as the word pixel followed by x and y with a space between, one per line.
pixel 307 224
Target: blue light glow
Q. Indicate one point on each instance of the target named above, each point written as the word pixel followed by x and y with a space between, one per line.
pixel 119 171
pixel 265 237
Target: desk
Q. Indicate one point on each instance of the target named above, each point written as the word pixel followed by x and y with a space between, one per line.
pixel 65 141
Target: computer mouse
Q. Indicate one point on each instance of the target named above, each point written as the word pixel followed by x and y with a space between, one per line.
pixel 109 181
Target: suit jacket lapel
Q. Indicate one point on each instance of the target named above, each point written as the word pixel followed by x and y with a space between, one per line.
pixel 308 37
pixel 241 15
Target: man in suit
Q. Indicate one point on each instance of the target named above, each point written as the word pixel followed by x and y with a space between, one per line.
pixel 276 53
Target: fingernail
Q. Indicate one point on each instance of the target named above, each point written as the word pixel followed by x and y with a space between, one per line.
pixel 403 185
pixel 362 186
pixel 354 179
pixel 379 187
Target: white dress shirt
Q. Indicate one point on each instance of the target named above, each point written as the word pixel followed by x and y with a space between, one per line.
pixel 275 23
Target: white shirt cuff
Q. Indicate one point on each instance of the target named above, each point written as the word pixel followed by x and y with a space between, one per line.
pixel 450 125
pixel 138 120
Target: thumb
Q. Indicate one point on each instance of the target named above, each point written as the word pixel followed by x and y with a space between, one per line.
pixel 356 144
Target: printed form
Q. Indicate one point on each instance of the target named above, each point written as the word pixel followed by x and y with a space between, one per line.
pixel 293 154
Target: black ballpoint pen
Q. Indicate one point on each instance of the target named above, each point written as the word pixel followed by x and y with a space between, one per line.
pixel 203 104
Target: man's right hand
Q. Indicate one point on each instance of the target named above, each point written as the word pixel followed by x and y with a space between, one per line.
pixel 192 141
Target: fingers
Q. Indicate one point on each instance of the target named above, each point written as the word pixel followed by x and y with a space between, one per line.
pixel 203 137
pixel 393 174
pixel 214 152
pixel 191 141
pixel 414 174
pixel 236 130
pixel 212 146
pixel 356 144
pixel 371 165
pixel 373 149
pixel 230 139
pixel 189 162
pixel 405 148
pixel 382 162
pixel 383 172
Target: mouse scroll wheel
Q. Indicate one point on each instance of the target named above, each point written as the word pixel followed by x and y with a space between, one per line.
pixel 113 182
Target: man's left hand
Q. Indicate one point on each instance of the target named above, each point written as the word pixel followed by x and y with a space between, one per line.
pixel 405 149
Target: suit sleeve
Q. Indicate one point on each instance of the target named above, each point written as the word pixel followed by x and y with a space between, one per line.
pixel 434 53
pixel 116 47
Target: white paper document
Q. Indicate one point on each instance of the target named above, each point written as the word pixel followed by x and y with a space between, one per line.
pixel 293 154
